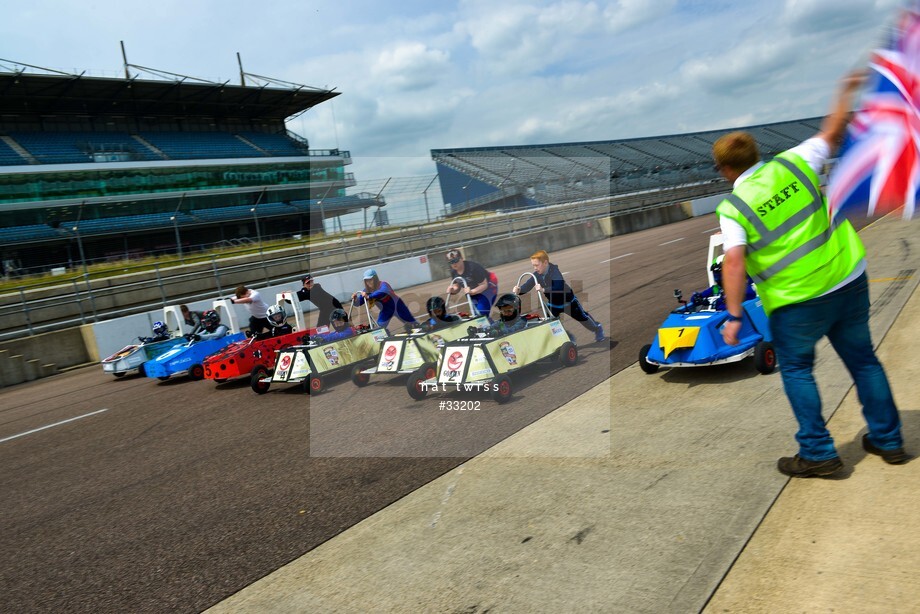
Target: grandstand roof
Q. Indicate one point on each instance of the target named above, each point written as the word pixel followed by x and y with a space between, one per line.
pixel 557 172
pixel 24 93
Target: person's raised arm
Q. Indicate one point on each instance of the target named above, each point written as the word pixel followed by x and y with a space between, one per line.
pixel 834 126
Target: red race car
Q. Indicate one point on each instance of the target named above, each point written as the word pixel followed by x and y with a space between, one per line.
pixel 258 353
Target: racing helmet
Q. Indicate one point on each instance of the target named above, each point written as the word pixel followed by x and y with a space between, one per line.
pixel 210 319
pixel 508 300
pixel 454 256
pixel 436 303
pixel 159 329
pixel 276 315
pixel 716 269
pixel 338 320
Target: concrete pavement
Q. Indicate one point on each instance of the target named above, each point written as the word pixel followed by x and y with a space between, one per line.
pixel 653 494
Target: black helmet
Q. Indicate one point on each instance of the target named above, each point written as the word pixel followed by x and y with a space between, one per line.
pixel 716 269
pixel 436 303
pixel 338 315
pixel 210 319
pixel 454 256
pixel 159 329
pixel 276 315
pixel 509 300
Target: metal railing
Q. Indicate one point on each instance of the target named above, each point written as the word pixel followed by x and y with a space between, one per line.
pixel 82 301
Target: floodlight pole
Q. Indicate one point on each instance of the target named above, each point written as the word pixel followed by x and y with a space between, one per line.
pixel 175 220
pixel 76 230
pixel 425 194
pixel 124 57
pixel 322 213
pixel 255 216
pixel 467 193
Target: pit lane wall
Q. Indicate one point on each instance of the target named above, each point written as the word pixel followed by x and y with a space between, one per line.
pixel 44 354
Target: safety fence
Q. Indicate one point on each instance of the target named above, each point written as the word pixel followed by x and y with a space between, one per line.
pixel 88 299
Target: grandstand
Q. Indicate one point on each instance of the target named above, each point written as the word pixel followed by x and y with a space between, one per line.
pixel 94 168
pixel 677 166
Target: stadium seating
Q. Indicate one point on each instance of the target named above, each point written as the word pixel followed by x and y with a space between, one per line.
pixel 79 147
pixel 200 145
pixel 275 144
pixel 35 232
pixel 9 157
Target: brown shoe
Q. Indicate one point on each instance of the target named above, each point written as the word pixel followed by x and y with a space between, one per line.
pixel 897 456
pixel 798 467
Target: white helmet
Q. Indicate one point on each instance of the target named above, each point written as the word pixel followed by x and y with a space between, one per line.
pixel 276 315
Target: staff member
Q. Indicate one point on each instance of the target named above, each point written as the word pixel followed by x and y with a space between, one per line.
pixel 811 275
pixel 325 302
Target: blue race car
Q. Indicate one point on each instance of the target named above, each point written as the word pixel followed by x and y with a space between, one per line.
pixel 188 357
pixel 691 335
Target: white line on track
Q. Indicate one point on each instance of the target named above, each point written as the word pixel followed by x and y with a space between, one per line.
pixel 669 242
pixel 616 258
pixel 711 229
pixel 42 428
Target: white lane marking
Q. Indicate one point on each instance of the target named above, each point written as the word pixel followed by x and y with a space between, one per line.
pixel 42 428
pixel 669 242
pixel 711 229
pixel 616 258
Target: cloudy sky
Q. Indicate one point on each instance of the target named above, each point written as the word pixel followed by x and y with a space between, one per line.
pixel 419 75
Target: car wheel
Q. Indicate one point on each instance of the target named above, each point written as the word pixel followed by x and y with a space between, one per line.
pixel 568 354
pixel 501 389
pixel 162 378
pixel 358 378
pixel 142 371
pixel 255 377
pixel 313 384
pixel 429 370
pixel 196 372
pixel 644 364
pixel 414 385
pixel 119 374
pixel 764 357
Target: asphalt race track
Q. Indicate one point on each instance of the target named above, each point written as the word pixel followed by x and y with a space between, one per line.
pixel 144 496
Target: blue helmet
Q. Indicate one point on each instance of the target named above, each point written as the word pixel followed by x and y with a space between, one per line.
pixel 159 329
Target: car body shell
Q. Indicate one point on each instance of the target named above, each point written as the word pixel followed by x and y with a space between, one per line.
pixel 181 358
pixel 240 358
pixel 134 356
pixel 475 359
pixel 689 338
pixel 298 363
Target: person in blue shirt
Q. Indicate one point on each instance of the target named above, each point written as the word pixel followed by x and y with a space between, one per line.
pixel 560 298
pixel 438 316
pixel 382 294
pixel 339 328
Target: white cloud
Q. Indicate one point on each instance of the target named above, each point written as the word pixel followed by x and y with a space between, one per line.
pixel 410 65
pixel 627 14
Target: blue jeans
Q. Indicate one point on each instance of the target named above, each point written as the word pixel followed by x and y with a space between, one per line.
pixel 843 316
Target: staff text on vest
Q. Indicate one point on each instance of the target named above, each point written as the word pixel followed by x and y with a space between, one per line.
pixel 777 199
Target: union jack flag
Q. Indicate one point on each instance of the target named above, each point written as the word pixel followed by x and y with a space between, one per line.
pixel 878 170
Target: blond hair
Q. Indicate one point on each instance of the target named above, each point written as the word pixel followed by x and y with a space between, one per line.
pixel 736 151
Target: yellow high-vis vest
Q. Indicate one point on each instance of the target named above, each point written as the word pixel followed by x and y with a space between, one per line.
pixel 794 251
